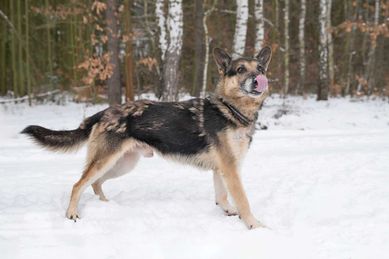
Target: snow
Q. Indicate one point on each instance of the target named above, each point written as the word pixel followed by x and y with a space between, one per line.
pixel 318 178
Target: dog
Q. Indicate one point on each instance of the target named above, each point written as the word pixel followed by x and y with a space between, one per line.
pixel 212 133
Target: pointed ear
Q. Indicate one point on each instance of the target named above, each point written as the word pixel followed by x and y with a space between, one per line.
pixel 222 59
pixel 264 56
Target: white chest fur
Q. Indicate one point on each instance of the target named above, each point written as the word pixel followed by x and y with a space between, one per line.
pixel 239 141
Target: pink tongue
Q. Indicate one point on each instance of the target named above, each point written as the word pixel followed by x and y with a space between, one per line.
pixel 261 83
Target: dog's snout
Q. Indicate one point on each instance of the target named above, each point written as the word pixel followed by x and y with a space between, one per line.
pixel 254 79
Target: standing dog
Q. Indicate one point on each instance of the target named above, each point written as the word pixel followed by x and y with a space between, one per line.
pixel 212 133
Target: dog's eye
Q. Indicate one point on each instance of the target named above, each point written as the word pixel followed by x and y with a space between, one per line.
pixel 260 69
pixel 241 70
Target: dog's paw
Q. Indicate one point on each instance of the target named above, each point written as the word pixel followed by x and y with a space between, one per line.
pixel 103 198
pixel 228 209
pixel 72 215
pixel 252 222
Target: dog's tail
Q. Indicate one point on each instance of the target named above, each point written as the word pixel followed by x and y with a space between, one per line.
pixel 63 140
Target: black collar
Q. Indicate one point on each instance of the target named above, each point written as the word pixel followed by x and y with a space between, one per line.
pixel 236 113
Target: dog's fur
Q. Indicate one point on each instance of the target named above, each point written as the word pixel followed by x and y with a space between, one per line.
pixel 212 133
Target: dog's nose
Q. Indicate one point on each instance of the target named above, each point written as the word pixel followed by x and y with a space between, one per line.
pixel 255 79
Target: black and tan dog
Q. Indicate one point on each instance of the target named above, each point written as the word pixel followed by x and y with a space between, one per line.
pixel 212 133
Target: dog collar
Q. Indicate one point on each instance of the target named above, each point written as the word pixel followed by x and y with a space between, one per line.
pixel 236 113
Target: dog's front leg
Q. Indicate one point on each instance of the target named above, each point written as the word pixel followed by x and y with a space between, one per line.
pixel 235 187
pixel 221 195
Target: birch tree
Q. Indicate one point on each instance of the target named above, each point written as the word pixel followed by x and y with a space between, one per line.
pixel 322 93
pixel 301 36
pixel 242 15
pixel 286 46
pixel 161 22
pixel 259 25
pixel 171 30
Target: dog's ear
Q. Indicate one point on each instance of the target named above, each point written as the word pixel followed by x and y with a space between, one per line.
pixel 264 56
pixel 222 59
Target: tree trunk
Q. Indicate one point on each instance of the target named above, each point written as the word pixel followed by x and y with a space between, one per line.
pixel 322 93
pixel 173 52
pixel 161 21
pixel 259 25
pixel 128 63
pixel 370 71
pixel 242 15
pixel 48 39
pixel 199 48
pixel 286 46
pixel 206 41
pixel 301 86
pixel 113 82
pixel 15 82
pixel 350 48
pixel 3 66
pixel 28 73
pixel 21 70
pixel 162 40
pixel 331 66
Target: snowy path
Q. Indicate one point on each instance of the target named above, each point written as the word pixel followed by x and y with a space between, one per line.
pixel 318 178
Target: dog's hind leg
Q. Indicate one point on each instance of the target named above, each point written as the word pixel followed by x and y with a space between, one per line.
pixel 103 153
pixel 90 175
pixel 98 190
pixel 123 166
pixel 93 172
pixel 221 195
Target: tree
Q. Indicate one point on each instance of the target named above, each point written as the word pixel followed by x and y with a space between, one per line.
pixel 199 49
pixel 286 46
pixel 370 78
pixel 128 59
pixel 242 15
pixel 171 48
pixel 350 44
pixel 113 82
pixel 330 43
pixel 206 41
pixel 322 93
pixel 259 25
pixel 301 36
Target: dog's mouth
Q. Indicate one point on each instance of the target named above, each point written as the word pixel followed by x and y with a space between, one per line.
pixel 255 85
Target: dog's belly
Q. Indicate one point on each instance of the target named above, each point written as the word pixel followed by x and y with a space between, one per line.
pixel 124 165
pixel 202 160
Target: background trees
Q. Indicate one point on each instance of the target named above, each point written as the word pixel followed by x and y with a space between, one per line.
pixel 162 46
pixel 322 92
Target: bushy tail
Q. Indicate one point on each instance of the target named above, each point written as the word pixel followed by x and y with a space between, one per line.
pixel 63 140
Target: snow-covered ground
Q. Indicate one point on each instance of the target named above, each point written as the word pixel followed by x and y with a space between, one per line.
pixel 318 178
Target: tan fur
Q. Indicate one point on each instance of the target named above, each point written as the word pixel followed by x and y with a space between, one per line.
pixel 100 159
pixel 228 165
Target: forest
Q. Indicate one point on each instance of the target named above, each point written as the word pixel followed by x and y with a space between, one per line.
pixel 103 50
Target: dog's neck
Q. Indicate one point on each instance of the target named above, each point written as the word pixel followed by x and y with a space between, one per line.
pixel 235 112
pixel 245 121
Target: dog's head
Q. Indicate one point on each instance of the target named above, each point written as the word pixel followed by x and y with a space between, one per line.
pixel 242 79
